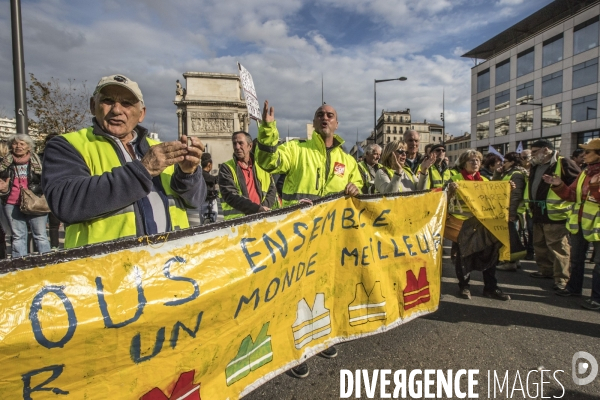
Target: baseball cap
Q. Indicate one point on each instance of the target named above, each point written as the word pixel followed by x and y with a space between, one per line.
pixel 120 80
pixel 593 144
pixel 542 143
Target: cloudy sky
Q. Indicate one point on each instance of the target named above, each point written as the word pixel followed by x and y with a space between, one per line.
pixel 287 45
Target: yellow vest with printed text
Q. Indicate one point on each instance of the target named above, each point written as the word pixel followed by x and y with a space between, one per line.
pixel 304 162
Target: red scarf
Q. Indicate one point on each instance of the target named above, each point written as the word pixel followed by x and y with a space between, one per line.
pixel 475 177
pixel 593 169
pixel 22 160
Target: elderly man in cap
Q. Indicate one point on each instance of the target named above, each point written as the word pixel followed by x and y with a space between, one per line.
pixel 110 181
pixel 550 212
pixel 439 173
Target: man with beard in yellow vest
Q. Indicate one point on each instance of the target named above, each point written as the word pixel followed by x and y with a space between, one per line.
pixel 110 181
pixel 550 212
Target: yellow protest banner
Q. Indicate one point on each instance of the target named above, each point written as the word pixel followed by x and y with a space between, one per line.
pixel 218 311
pixel 489 201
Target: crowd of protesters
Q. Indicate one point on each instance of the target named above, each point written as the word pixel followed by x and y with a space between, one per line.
pixel 110 181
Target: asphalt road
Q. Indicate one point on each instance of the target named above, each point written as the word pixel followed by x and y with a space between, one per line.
pixel 535 329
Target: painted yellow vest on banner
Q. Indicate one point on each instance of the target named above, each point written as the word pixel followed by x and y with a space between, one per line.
pixel 219 313
pixel 489 201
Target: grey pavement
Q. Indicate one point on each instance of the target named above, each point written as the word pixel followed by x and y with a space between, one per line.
pixel 535 330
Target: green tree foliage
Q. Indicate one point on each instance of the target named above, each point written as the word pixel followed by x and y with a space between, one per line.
pixel 58 108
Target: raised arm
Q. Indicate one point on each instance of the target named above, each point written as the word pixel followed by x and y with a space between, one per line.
pixel 270 155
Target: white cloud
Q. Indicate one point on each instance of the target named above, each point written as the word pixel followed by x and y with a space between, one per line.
pixel 155 42
pixel 509 2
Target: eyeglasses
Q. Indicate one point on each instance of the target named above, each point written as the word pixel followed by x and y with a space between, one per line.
pixel 440 150
pixel 401 152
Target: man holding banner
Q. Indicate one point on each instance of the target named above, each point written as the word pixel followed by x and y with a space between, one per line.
pixel 110 181
pixel 245 187
pixel 313 168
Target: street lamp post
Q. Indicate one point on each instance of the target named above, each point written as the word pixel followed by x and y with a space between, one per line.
pixel 541 106
pixel 376 81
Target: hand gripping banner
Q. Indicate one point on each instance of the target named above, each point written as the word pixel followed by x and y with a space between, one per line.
pixel 213 312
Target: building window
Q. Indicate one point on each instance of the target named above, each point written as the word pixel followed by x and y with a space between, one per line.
pixel 525 62
pixel 585 73
pixel 503 72
pixel 388 139
pixel 393 119
pixel 483 130
pixel 503 99
pixel 483 106
pixel 585 36
pixel 525 93
pixel 552 115
pixel 552 51
pixel 552 84
pixel 501 126
pixel 483 80
pixel 388 119
pixel 388 130
pixel 394 138
pixel 584 137
pixel 584 108
pixel 524 121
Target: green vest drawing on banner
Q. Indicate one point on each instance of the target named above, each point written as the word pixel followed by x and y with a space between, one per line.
pixel 367 306
pixel 311 324
pixel 251 356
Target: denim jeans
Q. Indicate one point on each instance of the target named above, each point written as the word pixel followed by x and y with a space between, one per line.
pixel 579 247
pixel 18 223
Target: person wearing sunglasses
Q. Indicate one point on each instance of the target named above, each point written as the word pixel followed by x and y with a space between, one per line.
pixel 583 223
pixel 439 173
pixel 395 175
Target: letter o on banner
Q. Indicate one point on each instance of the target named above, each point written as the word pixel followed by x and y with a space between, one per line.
pixel 36 306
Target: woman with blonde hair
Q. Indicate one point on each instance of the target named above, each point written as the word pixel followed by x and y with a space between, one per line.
pixel 394 176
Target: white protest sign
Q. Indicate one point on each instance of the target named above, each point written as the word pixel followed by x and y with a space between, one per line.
pixel 249 93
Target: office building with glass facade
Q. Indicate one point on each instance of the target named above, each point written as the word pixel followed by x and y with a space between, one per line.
pixel 539 78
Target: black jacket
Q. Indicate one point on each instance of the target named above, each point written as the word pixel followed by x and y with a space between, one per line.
pixel 211 182
pixel 230 195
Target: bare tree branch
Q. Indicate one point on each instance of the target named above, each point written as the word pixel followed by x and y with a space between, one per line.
pixel 58 108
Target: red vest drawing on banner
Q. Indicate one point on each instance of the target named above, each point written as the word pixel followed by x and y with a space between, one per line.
pixel 185 388
pixel 417 290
